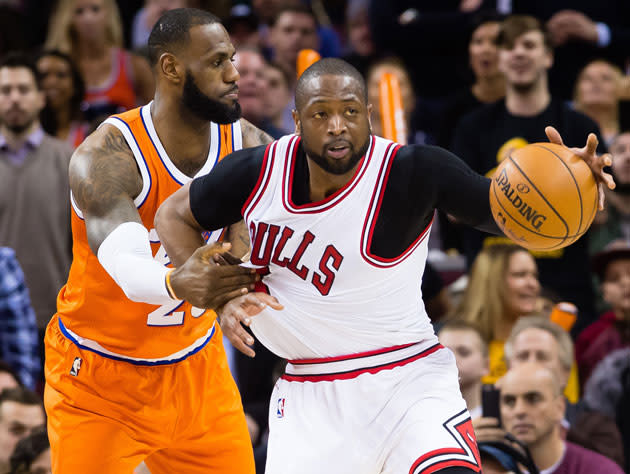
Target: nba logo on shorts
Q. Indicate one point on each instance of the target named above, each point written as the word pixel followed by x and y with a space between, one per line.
pixel 280 412
pixel 76 366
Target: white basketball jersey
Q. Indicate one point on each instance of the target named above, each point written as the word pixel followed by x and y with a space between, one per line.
pixel 338 298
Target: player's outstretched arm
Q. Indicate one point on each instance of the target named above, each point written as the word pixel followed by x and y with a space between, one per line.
pixel 596 162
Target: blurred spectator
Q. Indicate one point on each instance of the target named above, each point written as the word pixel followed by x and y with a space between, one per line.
pixel 581 30
pixel 9 377
pixel 242 25
pixel 278 97
pixel 361 50
pixel 252 89
pixel 597 96
pixel 18 326
pixel 147 16
pixel 426 32
pixel 489 83
pixel 435 295
pixel 536 339
pixel 63 87
pixel 471 354
pixel 614 221
pixel 32 454
pixel 532 407
pixel 90 32
pixel 503 286
pixel 292 29
pixel 395 67
pixel 34 189
pixel 612 330
pixel 486 136
pixel 608 391
pixel 20 412
pixel 488 87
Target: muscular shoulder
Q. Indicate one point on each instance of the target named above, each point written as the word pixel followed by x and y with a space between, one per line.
pixel 253 136
pixel 103 163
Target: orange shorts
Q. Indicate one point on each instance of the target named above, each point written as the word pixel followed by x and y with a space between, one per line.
pixel 179 418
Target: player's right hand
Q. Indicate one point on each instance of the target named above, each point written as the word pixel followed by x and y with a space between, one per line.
pixel 238 312
pixel 204 283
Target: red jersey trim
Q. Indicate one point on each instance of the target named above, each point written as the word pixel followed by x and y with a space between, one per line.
pixel 366 370
pixel 330 201
pixel 325 360
pixel 372 216
pixel 262 182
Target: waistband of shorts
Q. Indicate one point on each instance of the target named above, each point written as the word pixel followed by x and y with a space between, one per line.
pixel 93 346
pixel 353 365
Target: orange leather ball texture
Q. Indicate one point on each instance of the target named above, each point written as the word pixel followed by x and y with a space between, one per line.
pixel 543 196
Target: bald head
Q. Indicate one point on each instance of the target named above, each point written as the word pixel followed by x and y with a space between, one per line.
pixel 327 67
pixel 532 405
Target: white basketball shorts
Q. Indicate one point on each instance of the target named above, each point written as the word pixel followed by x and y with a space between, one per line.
pixel 393 411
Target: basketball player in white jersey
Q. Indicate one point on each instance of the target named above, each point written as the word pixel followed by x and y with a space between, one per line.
pixel 339 222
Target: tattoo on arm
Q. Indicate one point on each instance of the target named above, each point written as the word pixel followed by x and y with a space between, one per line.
pixel 105 179
pixel 254 136
pixel 103 169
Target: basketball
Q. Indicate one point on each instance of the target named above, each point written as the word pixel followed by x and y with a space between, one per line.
pixel 543 196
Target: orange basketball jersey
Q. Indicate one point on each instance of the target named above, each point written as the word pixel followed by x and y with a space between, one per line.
pixel 92 309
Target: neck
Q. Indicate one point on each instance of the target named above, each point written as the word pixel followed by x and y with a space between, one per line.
pixel 322 183
pixel 548 450
pixel 606 117
pixel 91 49
pixel 503 327
pixel 64 119
pixel 472 395
pixel 529 102
pixel 185 137
pixel 489 89
pixel 16 140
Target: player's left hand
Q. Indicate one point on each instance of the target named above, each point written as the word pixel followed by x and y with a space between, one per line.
pixel 238 312
pixel 589 154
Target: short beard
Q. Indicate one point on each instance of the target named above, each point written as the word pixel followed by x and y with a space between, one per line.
pixel 336 167
pixel 205 107
pixel 18 129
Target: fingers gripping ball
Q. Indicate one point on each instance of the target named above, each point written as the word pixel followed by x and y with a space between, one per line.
pixel 543 196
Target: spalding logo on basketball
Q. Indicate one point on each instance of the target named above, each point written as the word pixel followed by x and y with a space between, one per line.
pixel 543 196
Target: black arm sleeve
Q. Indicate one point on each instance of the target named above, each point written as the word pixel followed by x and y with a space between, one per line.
pixel 216 199
pixel 459 191
pixel 421 179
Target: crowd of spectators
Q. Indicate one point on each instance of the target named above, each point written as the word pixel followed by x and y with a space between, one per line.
pixel 478 77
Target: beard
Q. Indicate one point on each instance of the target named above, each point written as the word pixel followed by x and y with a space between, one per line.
pixel 205 107
pixel 333 166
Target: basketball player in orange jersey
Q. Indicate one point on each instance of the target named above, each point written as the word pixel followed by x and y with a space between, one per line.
pixel 135 373
pixel 339 220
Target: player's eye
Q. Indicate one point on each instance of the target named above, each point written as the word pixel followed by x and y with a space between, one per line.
pixel 351 111
pixel 319 115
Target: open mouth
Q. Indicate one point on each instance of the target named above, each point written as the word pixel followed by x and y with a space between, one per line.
pixel 338 151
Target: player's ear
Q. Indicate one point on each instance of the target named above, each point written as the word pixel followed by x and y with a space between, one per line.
pixel 298 124
pixel 169 67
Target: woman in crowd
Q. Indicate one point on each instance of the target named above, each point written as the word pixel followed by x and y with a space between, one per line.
pixel 488 85
pixel 503 286
pixel 597 95
pixel 63 86
pixel 90 31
